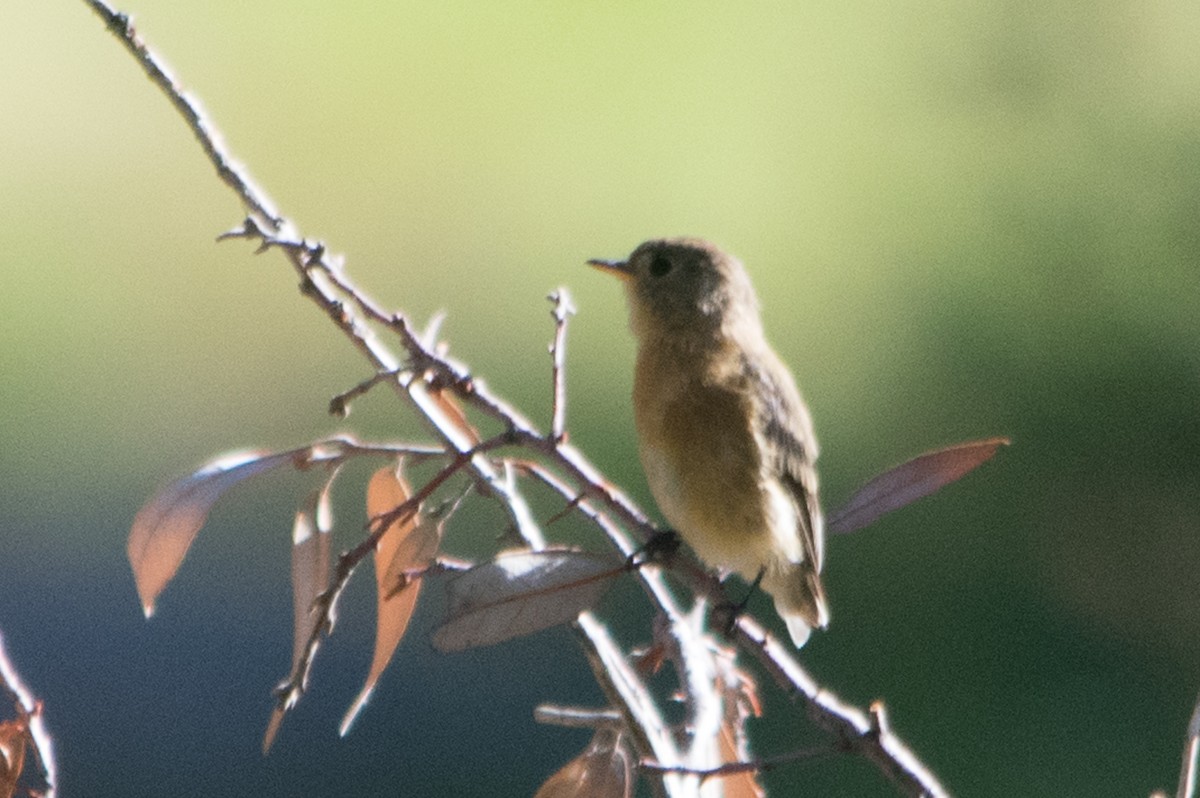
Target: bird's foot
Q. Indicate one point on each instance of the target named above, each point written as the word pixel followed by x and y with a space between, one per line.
pixel 657 550
pixel 724 614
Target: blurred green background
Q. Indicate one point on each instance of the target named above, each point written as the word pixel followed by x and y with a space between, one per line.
pixel 964 219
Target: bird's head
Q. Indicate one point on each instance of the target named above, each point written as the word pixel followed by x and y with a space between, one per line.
pixel 684 289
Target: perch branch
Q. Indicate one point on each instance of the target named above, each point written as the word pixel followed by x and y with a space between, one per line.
pixel 866 734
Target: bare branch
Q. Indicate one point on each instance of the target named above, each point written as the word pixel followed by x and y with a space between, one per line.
pixel 340 405
pixel 229 170
pixel 577 717
pixel 762 765
pixel 647 728
pixel 563 310
pixel 342 447
pixel 867 735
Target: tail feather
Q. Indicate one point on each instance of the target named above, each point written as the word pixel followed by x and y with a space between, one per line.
pixel 799 599
pixel 798 628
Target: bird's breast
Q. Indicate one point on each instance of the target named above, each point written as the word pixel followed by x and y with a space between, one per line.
pixel 702 460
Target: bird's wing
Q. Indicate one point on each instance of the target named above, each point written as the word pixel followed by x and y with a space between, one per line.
pixel 784 422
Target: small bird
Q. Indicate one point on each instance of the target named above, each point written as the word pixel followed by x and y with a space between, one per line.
pixel 724 437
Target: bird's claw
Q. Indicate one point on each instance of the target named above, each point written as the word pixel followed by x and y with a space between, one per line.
pixel 657 550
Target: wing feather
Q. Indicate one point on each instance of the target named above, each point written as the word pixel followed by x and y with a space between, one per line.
pixel 784 422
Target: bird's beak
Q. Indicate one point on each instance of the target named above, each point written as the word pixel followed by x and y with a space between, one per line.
pixel 617 268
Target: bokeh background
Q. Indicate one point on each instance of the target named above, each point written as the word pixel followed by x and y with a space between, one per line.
pixel 964 218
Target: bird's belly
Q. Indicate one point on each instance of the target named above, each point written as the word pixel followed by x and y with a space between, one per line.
pixel 703 461
pixel 716 505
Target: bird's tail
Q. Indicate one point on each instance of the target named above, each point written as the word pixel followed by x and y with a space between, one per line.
pixel 799 598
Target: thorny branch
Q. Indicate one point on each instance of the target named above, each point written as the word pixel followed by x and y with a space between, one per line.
pixel 428 379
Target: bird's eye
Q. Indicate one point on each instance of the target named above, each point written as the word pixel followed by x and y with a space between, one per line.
pixel 660 266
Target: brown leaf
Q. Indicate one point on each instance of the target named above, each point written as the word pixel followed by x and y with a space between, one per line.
pixel 414 553
pixel 601 771
pixel 738 785
pixel 310 578
pixel 310 563
pixel 910 481
pixel 741 702
pixel 649 661
pixel 273 726
pixel 14 734
pixel 386 491
pixel 453 410
pixel 165 527
pixel 519 593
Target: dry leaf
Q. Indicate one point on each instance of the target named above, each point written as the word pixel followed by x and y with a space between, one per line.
pixel 519 593
pixel 165 527
pixel 738 785
pixel 649 661
pixel 740 698
pixel 14 735
pixel 602 771
pixel 310 563
pixel 454 412
pixel 910 481
pixel 415 553
pixel 310 578
pixel 386 491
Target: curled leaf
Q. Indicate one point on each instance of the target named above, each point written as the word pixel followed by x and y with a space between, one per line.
pixel 310 578
pixel 519 593
pixel 165 527
pixel 405 543
pixel 910 481
pixel 603 770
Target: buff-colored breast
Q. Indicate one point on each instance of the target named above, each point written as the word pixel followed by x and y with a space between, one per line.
pixel 702 460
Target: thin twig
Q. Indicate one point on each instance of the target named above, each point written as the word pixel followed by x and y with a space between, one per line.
pixel 577 717
pixel 563 310
pixel 340 405
pixel 230 171
pixel 760 765
pixel 341 447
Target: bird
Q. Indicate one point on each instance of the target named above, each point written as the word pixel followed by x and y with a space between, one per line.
pixel 724 437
